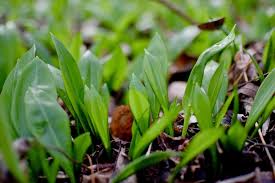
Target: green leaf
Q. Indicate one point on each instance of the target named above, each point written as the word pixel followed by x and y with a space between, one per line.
pixel 235 137
pixel 8 155
pixel 105 95
pixel 115 69
pixel 224 109
pixel 208 73
pixel 153 101
pixel 201 107
pixel 91 70
pixel 263 96
pixel 10 84
pixel 155 130
pixel 72 81
pixel 75 48
pixel 153 70
pixel 268 55
pixel 57 77
pixel 217 88
pixel 98 112
pixel 141 163
pixel 81 145
pixel 200 142
pixel 196 75
pixel 140 108
pixel 45 118
pixel 158 50
pixel 181 40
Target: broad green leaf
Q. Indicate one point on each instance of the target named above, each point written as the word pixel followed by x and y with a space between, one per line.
pixel 8 155
pixel 264 95
pixel 29 76
pixel 201 108
pixel 153 101
pixel 105 95
pixel 141 163
pixel 155 130
pixel 268 55
pixel 217 88
pixel 157 49
pixel 181 40
pixel 208 73
pixel 72 81
pixel 235 137
pixel 81 145
pixel 196 75
pixel 115 69
pixel 154 72
pixel 200 142
pixel 140 108
pixel 10 83
pixel 98 112
pixel 45 118
pixel 136 84
pixel 91 70
pixel 57 77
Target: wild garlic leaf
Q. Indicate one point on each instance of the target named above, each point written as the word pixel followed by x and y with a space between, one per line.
pixel 264 95
pixel 72 81
pixel 75 47
pixel 91 70
pixel 98 113
pixel 154 72
pixel 45 118
pixel 155 130
pixel 217 88
pixel 10 84
pixel 153 101
pixel 157 49
pixel 140 108
pixel 235 137
pixel 81 145
pixel 196 75
pixel 268 55
pixel 201 108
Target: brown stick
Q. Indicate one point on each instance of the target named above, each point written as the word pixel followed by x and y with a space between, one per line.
pixel 173 7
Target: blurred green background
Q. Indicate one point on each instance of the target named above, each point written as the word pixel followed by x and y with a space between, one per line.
pixel 102 25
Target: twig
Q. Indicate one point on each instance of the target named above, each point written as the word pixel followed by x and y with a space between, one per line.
pixel 241 178
pixel 249 81
pixel 267 151
pixel 91 164
pixel 259 144
pixel 173 7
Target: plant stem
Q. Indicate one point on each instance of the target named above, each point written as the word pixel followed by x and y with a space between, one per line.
pixel 173 7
